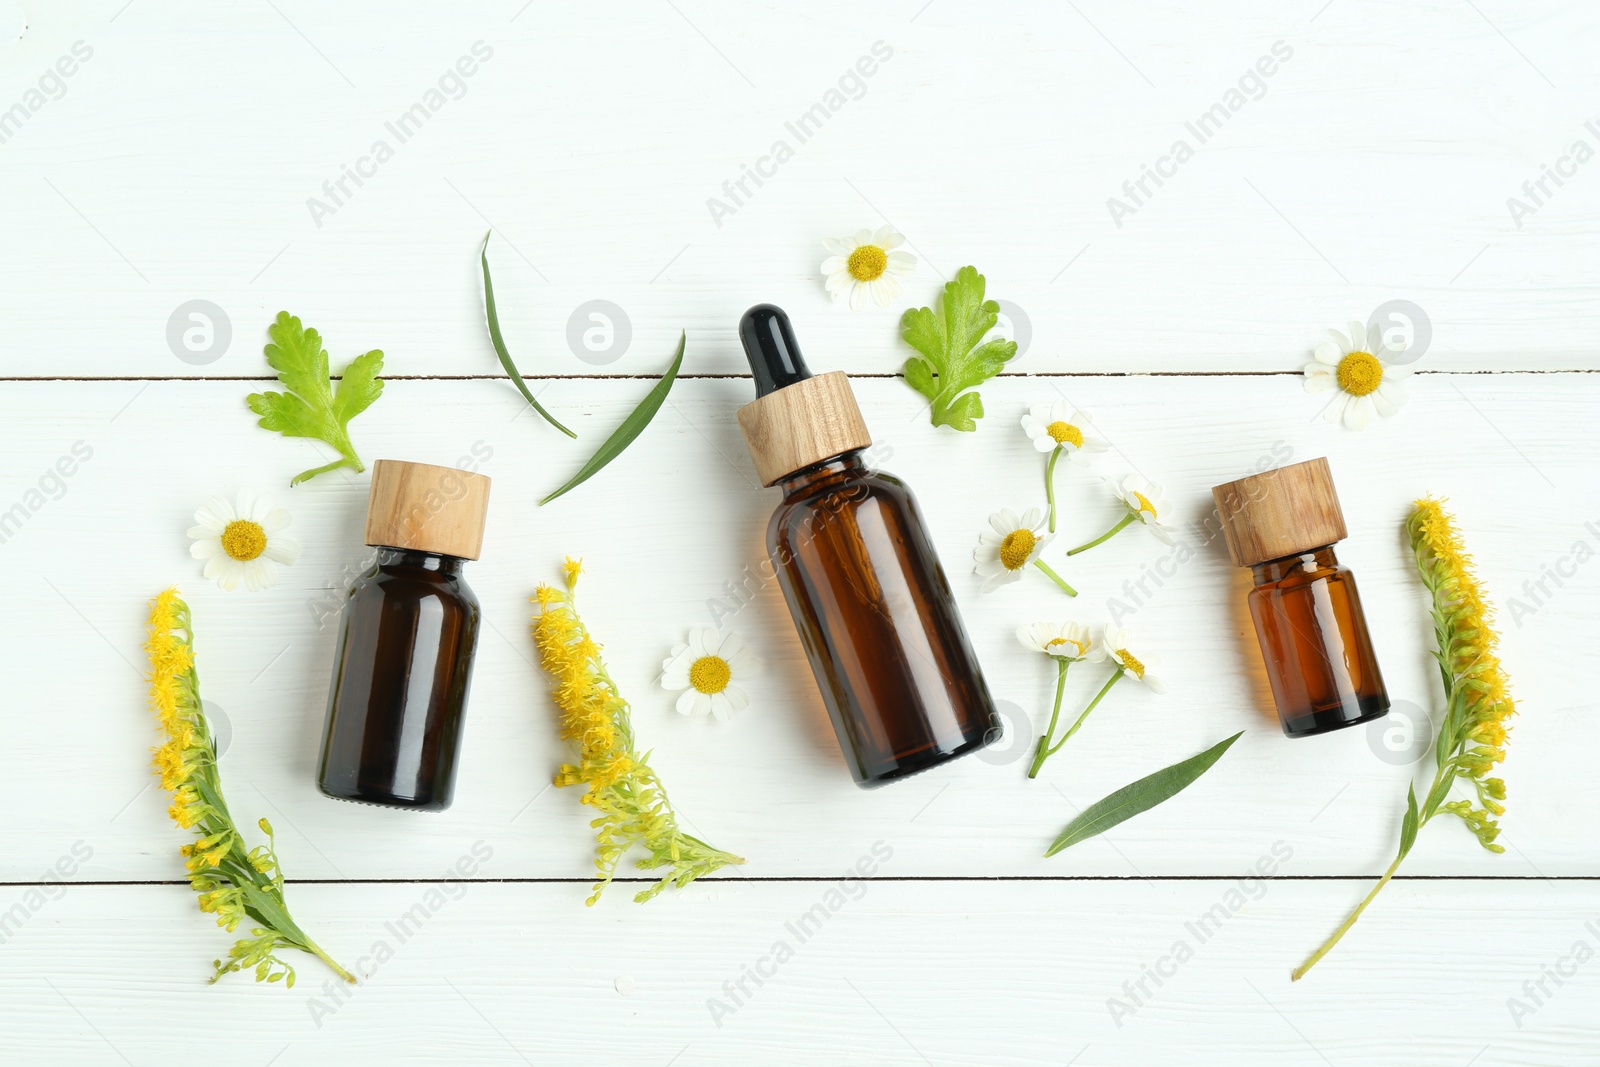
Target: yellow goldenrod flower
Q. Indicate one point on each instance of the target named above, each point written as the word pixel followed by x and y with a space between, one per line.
pixel 1477 698
pixel 620 785
pixel 220 869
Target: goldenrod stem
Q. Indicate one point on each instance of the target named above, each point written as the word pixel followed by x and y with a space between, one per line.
pixel 316 950
pixel 1327 946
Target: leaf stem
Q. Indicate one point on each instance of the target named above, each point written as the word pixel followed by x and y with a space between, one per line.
pixel 1108 535
pixel 1054 577
pixel 1050 485
pixel 346 461
pixel 1042 751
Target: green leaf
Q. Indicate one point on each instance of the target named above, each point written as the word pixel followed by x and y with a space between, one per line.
pixel 953 361
pixel 500 342
pixel 1408 826
pixel 312 408
pixel 631 427
pixel 1139 797
pixel 1441 789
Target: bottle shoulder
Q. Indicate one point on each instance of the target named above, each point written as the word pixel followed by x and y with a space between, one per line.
pixel 844 491
pixel 405 582
pixel 1301 576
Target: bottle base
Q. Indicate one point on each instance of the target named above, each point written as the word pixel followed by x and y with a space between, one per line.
pixel 926 760
pixel 1326 720
pixel 384 800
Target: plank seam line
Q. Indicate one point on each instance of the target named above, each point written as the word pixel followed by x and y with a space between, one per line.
pixel 746 377
pixel 815 878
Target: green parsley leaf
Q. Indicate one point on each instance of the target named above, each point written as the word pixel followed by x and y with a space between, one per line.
pixel 313 407
pixel 952 360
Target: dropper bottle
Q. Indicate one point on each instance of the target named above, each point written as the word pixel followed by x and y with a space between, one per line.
pixel 854 560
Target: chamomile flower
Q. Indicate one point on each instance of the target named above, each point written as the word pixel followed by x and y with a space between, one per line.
pixel 703 671
pixel 1066 640
pixel 242 541
pixel 866 265
pixel 1144 503
pixel 1114 642
pixel 1361 368
pixel 1065 643
pixel 1012 543
pixel 1054 427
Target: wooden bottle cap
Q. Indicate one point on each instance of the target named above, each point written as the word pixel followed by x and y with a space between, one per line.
pixel 802 424
pixel 427 509
pixel 1283 512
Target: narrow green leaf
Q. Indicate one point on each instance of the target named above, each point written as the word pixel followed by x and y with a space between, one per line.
pixel 500 342
pixel 1440 790
pixel 1408 828
pixel 1139 797
pixel 631 427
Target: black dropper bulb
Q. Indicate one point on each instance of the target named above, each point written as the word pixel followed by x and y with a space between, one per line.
pixel 770 347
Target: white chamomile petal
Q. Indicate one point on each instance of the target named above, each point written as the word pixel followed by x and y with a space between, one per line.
pixel 704 671
pixel 866 267
pixel 242 541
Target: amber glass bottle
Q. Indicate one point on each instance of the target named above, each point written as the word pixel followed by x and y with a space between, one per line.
pixel 407 635
pixel 852 555
pixel 1307 613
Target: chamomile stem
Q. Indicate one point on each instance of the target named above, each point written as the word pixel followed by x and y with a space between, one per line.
pixel 1097 698
pixel 1050 485
pixel 1108 535
pixel 1055 714
pixel 1054 577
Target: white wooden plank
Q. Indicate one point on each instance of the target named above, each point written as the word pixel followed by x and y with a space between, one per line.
pixel 897 973
pixel 677 517
pixel 1377 163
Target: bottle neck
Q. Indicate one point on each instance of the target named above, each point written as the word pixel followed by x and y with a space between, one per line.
pixel 1276 570
pixel 412 557
pixel 835 468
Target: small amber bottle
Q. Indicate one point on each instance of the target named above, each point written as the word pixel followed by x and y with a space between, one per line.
pixel 863 582
pixel 406 639
pixel 1282 525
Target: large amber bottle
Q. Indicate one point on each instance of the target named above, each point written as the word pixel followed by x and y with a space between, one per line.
pixel 1282 525
pixel 871 602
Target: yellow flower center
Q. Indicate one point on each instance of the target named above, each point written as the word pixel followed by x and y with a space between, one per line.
pixel 244 540
pixel 710 674
pixel 867 263
pixel 1145 505
pixel 1016 548
pixel 1065 434
pixel 1360 373
pixel 1130 663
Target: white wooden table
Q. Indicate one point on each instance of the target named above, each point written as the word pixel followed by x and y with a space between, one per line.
pixel 175 164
